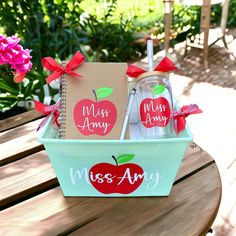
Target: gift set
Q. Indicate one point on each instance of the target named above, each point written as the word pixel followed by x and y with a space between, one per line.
pixel 116 130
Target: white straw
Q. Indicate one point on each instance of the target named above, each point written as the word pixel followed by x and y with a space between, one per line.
pixel 150 54
pixel 127 115
pixel 150 131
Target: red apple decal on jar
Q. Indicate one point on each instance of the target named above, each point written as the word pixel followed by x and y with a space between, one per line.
pixel 95 117
pixel 155 111
pixel 121 178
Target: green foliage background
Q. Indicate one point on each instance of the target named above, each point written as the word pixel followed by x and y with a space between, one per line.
pixel 103 30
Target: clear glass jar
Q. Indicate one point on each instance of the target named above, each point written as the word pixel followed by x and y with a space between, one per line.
pixel 155 102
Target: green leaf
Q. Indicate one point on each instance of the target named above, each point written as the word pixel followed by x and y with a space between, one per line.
pixel 7 96
pixel 7 88
pixel 158 89
pixel 123 158
pixel 103 92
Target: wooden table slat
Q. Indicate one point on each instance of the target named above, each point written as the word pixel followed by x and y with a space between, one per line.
pixel 20 119
pixel 52 214
pixel 25 177
pixel 194 157
pixel 19 142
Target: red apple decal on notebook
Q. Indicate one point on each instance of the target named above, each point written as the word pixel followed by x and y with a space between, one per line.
pixel 155 111
pixel 121 178
pixel 95 117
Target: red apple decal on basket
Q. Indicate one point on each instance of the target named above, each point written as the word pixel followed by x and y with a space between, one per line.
pixel 124 178
pixel 95 117
pixel 155 111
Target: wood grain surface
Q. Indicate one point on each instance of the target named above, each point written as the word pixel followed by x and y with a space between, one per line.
pixel 26 177
pixel 189 209
pixel 18 120
pixel 32 203
pixel 34 173
pixel 19 142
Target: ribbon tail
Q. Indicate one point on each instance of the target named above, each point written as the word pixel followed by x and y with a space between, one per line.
pixel 197 111
pixel 191 109
pixel 50 64
pixel 76 60
pixel 180 124
pixel 56 119
pixel 134 71
pixel 40 107
pixel 165 65
pixel 55 75
pixel 43 122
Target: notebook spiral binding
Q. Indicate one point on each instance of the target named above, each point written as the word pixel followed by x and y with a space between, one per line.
pixel 63 91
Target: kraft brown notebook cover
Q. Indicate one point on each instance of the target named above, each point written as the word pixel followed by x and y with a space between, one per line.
pixel 94 106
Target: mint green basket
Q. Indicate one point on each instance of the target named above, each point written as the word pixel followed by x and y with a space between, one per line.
pixel 88 167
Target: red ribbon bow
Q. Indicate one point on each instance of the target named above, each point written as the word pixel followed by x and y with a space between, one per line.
pixel 180 116
pixel 164 66
pixel 52 110
pixel 58 71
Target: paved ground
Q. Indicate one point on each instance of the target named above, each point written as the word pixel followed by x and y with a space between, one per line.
pixel 214 90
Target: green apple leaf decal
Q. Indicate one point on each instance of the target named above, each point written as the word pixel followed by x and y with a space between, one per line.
pixel 158 89
pixel 103 92
pixel 123 158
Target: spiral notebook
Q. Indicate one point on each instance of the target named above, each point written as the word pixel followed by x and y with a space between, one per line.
pixel 94 106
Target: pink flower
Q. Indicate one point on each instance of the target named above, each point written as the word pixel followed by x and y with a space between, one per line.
pixel 13 41
pixel 11 52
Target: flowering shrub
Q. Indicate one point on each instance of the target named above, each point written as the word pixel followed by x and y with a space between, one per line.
pixel 15 62
pixel 11 52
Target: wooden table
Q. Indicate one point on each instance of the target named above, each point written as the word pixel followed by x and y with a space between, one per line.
pixel 32 202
